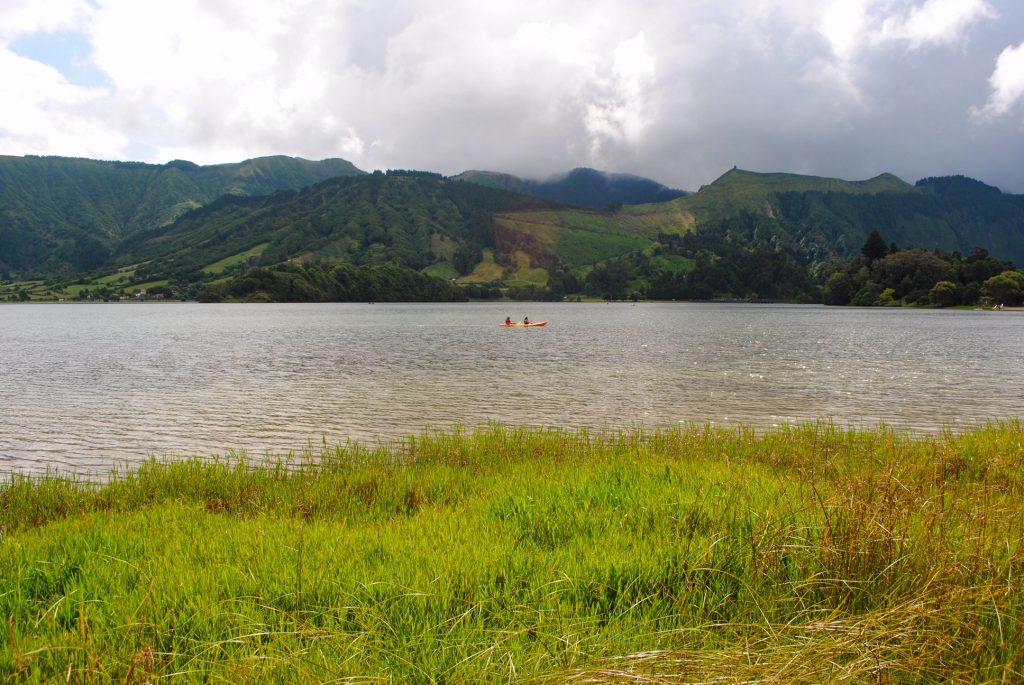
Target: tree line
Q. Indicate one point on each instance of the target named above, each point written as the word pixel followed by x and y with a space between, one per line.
pixel 885 275
pixel 738 258
pixel 318 282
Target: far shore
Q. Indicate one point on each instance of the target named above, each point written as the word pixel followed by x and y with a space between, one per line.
pixel 135 301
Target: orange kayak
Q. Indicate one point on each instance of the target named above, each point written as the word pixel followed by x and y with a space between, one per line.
pixel 514 324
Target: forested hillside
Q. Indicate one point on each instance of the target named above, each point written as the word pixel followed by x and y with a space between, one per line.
pixel 780 236
pixel 946 214
pixel 61 216
pixel 745 236
pixel 832 218
pixel 580 187
pixel 411 219
pixel 883 275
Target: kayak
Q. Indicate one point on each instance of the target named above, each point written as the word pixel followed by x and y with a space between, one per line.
pixel 514 324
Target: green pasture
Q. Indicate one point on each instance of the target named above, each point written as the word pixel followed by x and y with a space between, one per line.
pixel 486 271
pixel 221 265
pixel 510 555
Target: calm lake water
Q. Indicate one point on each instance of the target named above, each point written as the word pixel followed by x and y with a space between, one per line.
pixel 84 387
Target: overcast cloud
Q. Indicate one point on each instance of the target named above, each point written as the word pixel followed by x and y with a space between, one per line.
pixel 676 90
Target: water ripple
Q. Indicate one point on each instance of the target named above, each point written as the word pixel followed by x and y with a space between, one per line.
pixel 85 387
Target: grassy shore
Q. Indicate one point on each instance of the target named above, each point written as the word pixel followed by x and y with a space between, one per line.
pixel 805 555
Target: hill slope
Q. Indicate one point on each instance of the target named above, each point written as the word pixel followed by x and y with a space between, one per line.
pixel 750 235
pixel 581 187
pixel 412 219
pixel 739 190
pixel 63 215
pixel 948 214
pixel 832 217
pixel 747 234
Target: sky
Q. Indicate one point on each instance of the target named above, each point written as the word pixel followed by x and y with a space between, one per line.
pixel 675 90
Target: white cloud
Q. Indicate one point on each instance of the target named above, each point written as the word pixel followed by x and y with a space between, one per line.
pixel 184 44
pixel 562 43
pixel 1007 83
pixel 677 90
pixel 620 111
pixel 22 17
pixel 855 30
pixel 836 79
pixel 935 21
pixel 852 27
pixel 845 25
pixel 44 114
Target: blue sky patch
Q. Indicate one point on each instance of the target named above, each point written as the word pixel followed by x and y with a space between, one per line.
pixel 67 51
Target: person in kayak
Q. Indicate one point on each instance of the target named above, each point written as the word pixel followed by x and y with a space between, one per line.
pixel 526 321
pixel 508 320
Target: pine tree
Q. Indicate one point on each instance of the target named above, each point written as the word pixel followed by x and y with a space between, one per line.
pixel 874 247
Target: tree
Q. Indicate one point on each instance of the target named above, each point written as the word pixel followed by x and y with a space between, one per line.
pixel 1005 288
pixel 980 266
pixel 839 289
pixel 609 280
pixel 874 247
pixel 945 294
pixel 910 272
pixel 866 296
pixel 971 293
pixel 466 258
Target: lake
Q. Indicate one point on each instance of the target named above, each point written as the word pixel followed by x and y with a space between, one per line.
pixel 87 386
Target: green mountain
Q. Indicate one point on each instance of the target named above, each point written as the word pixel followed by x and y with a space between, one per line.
pixel 952 214
pixel 832 217
pixel 484 235
pixel 417 220
pixel 738 190
pixel 64 215
pixel 494 179
pixel 779 236
pixel 480 237
pixel 116 227
pixel 581 187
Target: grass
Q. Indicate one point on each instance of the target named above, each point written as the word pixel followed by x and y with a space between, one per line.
pixel 145 286
pixel 524 274
pixel 577 237
pixel 486 271
pixel 443 270
pixel 41 291
pixel 220 266
pixel 118 276
pixel 804 555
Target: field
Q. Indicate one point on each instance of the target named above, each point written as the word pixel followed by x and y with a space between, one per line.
pixel 805 555
pixel 486 271
pixel 220 266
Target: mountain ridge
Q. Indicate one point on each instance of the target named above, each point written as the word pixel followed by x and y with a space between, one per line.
pixel 579 187
pixel 489 234
pixel 61 215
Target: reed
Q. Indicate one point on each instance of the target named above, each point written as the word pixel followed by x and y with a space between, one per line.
pixel 502 554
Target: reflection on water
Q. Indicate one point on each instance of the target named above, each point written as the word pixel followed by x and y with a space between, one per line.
pixel 86 386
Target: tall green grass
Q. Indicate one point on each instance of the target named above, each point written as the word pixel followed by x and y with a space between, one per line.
pixel 804 555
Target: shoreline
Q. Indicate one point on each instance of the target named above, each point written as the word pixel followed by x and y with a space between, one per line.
pixel 541 302
pixel 257 458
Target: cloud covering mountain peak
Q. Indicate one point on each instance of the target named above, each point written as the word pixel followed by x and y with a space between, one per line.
pixel 675 91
